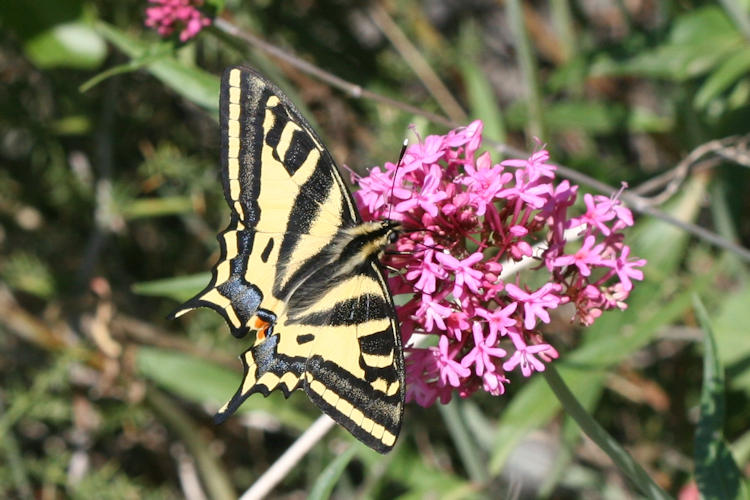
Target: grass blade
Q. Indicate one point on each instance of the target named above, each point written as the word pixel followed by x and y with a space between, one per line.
pixel 327 480
pixel 607 443
pixel 716 472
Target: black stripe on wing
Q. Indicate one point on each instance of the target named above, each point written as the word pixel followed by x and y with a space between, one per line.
pixel 374 420
pixel 253 96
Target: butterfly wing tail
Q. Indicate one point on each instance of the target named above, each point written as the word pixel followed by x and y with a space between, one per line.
pixel 228 292
pixel 264 371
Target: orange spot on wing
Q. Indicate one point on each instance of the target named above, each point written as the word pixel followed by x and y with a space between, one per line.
pixel 261 327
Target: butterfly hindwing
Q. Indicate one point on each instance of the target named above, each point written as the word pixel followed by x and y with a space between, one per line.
pixel 342 351
pixel 364 392
pixel 292 269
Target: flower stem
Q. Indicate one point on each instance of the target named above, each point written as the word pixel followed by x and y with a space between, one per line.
pixel 598 435
pixel 467 448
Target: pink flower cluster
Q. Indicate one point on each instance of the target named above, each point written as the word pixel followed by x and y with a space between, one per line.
pixel 167 15
pixel 466 221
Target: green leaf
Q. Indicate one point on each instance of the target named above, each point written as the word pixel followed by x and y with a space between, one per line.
pixel 77 124
pixel 621 458
pixel 193 83
pixel 180 288
pixel 157 207
pixel 716 472
pixel 733 342
pixel 698 42
pixel 483 103
pixel 54 33
pixel 474 462
pixel 327 480
pixel 424 481
pixel 729 72
pixel 592 117
pixel 701 24
pixel 195 379
pixel 68 45
pixel 27 272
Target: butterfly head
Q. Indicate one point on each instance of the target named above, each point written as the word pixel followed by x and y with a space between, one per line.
pixel 392 229
pixel 368 239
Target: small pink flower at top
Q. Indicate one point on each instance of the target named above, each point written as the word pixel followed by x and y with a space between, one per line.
pixel 468 219
pixel 168 15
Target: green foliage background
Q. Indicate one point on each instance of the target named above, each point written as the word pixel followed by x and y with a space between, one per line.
pixel 110 203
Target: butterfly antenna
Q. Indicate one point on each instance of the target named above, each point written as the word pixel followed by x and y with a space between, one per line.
pixel 395 171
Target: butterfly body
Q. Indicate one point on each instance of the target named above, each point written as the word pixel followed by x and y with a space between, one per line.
pixel 300 267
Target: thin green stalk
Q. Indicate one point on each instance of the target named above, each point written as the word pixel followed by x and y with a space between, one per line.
pixel 467 448
pixel 214 476
pixel 563 21
pixel 327 480
pixel 528 66
pixel 607 443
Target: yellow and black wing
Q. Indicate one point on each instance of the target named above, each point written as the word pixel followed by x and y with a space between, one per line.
pixel 291 269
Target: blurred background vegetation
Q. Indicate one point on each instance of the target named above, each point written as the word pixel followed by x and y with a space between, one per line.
pixel 110 203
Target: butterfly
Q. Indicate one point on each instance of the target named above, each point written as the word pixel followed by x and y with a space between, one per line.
pixel 300 268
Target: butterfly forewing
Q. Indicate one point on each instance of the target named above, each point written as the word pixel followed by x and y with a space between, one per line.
pixel 332 332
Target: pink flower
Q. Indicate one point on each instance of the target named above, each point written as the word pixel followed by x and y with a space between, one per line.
pixel 457 323
pixel 535 195
pixel 535 304
pixel 467 222
pixel 484 182
pixel 525 356
pixel 483 352
pixel 470 137
pixel 375 190
pixel 464 275
pixel 451 371
pixel 421 371
pixel 626 270
pixel 167 15
pixel 536 166
pixel 587 255
pixel 428 198
pixel 499 320
pixel 434 313
pixel 493 383
pixel 598 211
pixel 426 271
